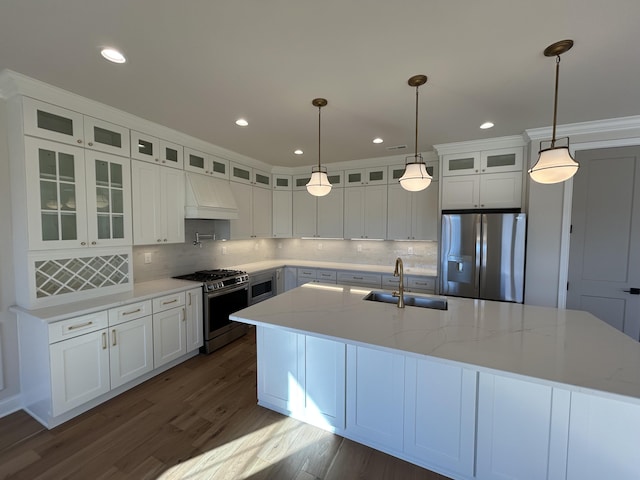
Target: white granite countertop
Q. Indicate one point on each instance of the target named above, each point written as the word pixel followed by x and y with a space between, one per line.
pixel 141 291
pixel 567 347
pixel 255 267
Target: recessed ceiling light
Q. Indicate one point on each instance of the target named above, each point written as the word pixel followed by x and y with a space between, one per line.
pixel 298 152
pixel 113 55
pixel 486 125
pixel 377 140
pixel 241 122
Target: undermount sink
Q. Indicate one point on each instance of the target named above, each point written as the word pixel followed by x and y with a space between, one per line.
pixel 422 301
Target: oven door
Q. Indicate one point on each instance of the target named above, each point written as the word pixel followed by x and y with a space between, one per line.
pixel 219 305
pixel 263 286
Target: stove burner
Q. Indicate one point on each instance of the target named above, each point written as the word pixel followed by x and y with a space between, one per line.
pixel 217 279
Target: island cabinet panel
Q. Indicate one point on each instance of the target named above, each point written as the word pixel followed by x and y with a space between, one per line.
pixel 375 397
pixel 440 414
pixel 514 427
pixel 302 376
pixel 604 439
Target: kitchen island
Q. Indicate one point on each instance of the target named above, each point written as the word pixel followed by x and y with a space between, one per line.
pixel 481 390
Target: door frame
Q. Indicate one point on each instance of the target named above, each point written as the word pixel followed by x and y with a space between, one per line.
pixel 567 202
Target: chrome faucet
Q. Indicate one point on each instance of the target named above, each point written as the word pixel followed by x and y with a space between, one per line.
pixel 399 272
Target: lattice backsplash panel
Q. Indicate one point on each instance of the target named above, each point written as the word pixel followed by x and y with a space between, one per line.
pixel 67 275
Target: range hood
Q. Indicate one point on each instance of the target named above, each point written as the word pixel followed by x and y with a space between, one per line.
pixel 209 198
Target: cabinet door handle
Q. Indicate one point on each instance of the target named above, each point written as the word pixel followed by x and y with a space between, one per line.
pixel 113 332
pixel 358 278
pixel 132 312
pixel 184 315
pixel 170 301
pixel 80 325
pixel 104 340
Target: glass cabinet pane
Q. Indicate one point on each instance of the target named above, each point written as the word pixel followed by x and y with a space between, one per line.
pixel 145 147
pixel 241 173
pixel 354 178
pixel 67 197
pixel 69 226
pixel 66 167
pixel 301 182
pixel 47 164
pixel 282 182
pixel 117 204
pixel 50 226
pixel 49 195
pixel 104 227
pixel 219 167
pixel 501 160
pixel 102 173
pixel 107 137
pixel 55 123
pixel 116 175
pixel 461 164
pixel 118 226
pixel 376 176
pixel 171 154
pixel 102 199
pixel 262 179
pixel 196 161
pixel 333 179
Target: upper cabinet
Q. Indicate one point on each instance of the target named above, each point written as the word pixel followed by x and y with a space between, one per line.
pixel 155 150
pixel 365 176
pixel 51 122
pixel 483 178
pixel 250 176
pixel 83 198
pixel 200 162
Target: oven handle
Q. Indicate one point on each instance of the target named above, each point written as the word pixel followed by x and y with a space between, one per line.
pixel 218 293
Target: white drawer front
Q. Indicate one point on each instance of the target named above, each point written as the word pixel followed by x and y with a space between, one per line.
pixel 307 273
pixel 73 327
pixel 129 312
pixel 365 279
pixel 166 302
pixel 422 283
pixel 326 276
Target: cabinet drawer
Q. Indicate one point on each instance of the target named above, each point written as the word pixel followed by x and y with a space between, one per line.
pixel 77 326
pixel 364 279
pixel 326 276
pixel 391 282
pixel 167 302
pixel 307 273
pixel 427 284
pixel 129 312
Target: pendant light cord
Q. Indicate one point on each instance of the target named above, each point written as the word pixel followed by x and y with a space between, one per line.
pixel 415 155
pixel 319 131
pixel 555 103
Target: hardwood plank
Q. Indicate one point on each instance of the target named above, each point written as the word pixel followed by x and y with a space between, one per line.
pixel 197 420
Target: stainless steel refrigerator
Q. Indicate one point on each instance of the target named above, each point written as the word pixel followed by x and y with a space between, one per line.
pixel 482 255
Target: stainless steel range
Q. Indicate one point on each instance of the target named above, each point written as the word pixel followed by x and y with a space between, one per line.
pixel 225 292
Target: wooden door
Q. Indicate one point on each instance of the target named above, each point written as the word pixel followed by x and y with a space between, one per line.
pixel 604 256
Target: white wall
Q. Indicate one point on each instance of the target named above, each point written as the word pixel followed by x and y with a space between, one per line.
pixel 8 325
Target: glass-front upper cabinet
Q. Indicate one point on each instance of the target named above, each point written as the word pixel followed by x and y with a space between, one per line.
pixel 461 164
pixel 282 181
pixel 261 179
pixel 56 209
pixel 108 200
pixel 155 150
pixel 51 122
pixel 365 176
pixel 205 163
pixel 503 160
pixel 106 137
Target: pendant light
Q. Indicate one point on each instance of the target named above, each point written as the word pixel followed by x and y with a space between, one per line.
pixel 319 185
pixel 415 176
pixel 555 164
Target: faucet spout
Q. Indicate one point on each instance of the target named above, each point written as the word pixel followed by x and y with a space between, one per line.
pixel 398 271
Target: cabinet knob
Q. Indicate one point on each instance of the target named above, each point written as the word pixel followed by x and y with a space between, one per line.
pixel 475 205
pixel 165 240
pixel 482 205
pixel 83 243
pixel 93 243
pixel 91 144
pixel 483 169
pixel 159 240
pixel 157 160
pixel 79 141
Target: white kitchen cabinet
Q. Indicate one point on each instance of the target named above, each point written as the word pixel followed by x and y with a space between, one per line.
pixel 302 376
pixel 362 279
pixel 440 414
pixel 130 350
pixel 420 284
pixel 514 428
pixel 205 163
pixel 365 176
pixel 194 321
pixel 83 197
pixel 375 397
pixel 282 213
pixel 482 179
pixel 254 211
pixel 320 217
pixel 306 275
pixel 365 212
pixel 51 122
pixel 250 176
pixel 158 204
pixel 412 215
pixel 156 150
pixel 79 370
pixel 169 334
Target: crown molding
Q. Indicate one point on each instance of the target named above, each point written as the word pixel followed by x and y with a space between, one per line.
pixel 479 145
pixel 621 124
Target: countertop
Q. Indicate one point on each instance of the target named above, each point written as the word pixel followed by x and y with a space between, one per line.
pixel 567 347
pixel 255 267
pixel 141 291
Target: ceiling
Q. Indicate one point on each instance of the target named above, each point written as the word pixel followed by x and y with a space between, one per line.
pixel 198 65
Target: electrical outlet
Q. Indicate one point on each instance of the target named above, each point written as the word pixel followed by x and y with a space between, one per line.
pixel 224 250
pixel 359 248
pixel 147 257
pixel 410 251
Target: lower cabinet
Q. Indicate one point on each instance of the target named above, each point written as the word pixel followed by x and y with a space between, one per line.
pixel 302 376
pixel 375 396
pixel 130 350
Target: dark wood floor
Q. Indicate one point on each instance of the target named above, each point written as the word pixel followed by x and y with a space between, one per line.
pixel 198 420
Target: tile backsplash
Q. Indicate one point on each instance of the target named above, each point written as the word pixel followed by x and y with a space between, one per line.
pixel 176 259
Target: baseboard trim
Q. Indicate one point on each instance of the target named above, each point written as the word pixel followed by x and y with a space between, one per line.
pixel 10 405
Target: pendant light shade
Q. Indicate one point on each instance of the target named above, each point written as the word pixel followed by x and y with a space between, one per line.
pixel 555 164
pixel 319 185
pixel 415 176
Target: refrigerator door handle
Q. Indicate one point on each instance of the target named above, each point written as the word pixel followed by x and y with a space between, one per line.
pixel 480 219
pixel 483 252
